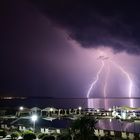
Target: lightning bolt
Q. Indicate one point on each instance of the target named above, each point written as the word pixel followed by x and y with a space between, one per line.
pixel 105 85
pixel 94 83
pixel 130 82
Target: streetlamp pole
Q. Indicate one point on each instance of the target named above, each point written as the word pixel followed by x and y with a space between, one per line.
pixel 34 119
pixel 33 126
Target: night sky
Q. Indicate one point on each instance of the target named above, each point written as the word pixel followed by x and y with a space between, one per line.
pixel 51 47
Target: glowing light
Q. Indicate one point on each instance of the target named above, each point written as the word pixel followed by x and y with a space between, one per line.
pixel 94 83
pixel 80 108
pixel 21 108
pixel 51 109
pixel 34 118
pixel 130 82
pixel 109 109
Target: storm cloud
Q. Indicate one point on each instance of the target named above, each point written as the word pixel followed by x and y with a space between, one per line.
pixel 112 24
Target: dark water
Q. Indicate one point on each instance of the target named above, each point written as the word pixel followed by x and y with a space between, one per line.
pixel 69 102
pixel 42 123
pixel 118 125
pixel 105 124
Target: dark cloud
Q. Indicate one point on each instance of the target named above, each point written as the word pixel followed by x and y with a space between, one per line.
pixel 94 23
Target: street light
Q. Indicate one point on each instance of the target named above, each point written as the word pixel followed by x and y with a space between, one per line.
pixel 21 108
pixel 51 109
pixel 80 108
pixel 98 110
pixel 34 119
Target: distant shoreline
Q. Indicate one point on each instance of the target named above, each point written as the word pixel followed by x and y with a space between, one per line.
pixel 45 97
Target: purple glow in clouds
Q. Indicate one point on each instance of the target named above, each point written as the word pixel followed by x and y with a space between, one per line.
pixel 129 81
pixel 107 63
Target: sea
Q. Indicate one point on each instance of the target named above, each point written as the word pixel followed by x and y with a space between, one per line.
pixel 43 102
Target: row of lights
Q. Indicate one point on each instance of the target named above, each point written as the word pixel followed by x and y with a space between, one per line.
pixel 34 117
pixel 51 109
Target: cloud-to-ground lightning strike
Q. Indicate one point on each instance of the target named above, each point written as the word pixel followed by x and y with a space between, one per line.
pixel 130 82
pixel 103 58
pixel 94 83
pixel 105 85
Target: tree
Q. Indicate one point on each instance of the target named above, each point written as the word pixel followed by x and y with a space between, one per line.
pixel 64 137
pixel 14 135
pixel 106 138
pixel 2 133
pixel 48 138
pixel 84 127
pixel 29 135
pixel 41 135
